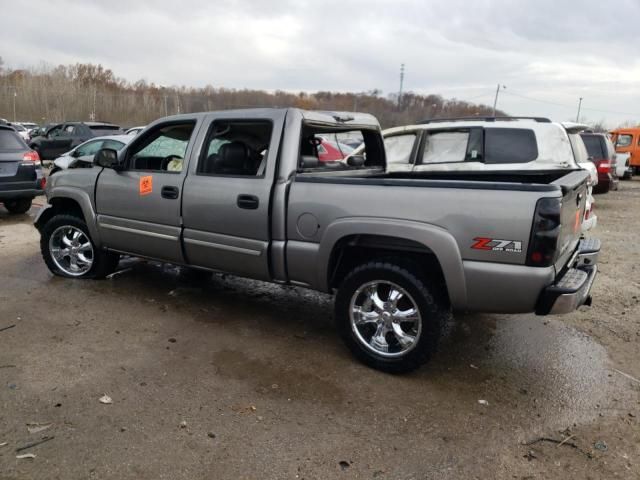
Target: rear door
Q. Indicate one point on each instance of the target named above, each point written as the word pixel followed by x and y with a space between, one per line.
pixel 226 202
pixel 139 208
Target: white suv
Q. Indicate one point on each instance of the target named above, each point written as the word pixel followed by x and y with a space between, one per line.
pixel 494 144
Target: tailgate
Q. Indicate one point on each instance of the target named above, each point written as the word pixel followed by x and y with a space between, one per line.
pixel 9 163
pixel 574 198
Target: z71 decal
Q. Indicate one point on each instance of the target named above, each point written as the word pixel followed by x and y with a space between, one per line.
pixel 495 245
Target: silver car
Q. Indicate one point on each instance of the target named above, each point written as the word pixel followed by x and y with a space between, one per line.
pixel 82 155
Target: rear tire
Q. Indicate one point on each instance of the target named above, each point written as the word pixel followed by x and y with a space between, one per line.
pixel 389 317
pixel 69 251
pixel 18 206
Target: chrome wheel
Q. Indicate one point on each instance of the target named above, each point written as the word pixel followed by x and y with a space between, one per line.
pixel 71 250
pixel 385 318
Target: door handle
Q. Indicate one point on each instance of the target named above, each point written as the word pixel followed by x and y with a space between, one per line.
pixel 170 192
pixel 248 202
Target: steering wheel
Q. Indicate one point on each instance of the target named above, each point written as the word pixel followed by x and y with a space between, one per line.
pixel 168 159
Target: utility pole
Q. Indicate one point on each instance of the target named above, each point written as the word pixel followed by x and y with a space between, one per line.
pixel 495 102
pixel 15 94
pixel 579 108
pixel 401 85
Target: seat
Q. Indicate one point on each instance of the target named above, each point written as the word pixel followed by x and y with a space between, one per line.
pixel 231 159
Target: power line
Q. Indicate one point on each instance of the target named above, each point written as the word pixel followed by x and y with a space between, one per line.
pixel 571 107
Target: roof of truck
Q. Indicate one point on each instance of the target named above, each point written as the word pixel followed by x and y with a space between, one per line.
pixel 316 116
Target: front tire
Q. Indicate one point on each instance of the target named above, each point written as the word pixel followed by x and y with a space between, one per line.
pixel 388 316
pixel 68 250
pixel 19 206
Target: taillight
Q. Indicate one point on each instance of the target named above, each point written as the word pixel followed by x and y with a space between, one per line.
pixel 31 156
pixel 43 182
pixel 604 167
pixel 545 233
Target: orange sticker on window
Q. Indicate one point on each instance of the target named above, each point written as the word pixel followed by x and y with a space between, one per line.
pixel 146 185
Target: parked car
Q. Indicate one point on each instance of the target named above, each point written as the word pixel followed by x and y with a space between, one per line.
pixel 62 137
pixel 23 132
pixel 602 153
pixel 134 130
pixel 627 140
pixel 486 146
pixel 248 195
pixel 82 155
pixel 332 151
pixel 21 177
pixel 624 169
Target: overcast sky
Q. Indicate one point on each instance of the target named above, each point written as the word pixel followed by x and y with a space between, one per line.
pixel 551 51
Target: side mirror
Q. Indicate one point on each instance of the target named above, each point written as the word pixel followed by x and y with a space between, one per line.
pixel 75 154
pixel 356 160
pixel 107 158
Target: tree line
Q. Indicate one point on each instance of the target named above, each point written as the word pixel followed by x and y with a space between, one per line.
pixel 92 92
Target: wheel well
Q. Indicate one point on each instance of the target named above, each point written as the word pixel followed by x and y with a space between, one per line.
pixel 60 205
pixel 354 250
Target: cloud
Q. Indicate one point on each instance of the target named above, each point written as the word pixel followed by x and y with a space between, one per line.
pixel 549 51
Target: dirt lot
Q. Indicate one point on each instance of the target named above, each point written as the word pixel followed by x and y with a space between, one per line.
pixel 245 380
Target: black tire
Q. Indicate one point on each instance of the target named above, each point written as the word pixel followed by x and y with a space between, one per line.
pixel 18 206
pixel 104 262
pixel 433 314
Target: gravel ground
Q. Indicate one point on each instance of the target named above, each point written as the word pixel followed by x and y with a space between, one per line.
pixel 245 380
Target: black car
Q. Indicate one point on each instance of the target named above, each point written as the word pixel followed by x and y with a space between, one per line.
pixel 603 154
pixel 62 137
pixel 21 176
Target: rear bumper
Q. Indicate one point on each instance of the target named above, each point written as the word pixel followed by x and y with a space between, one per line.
pixel 572 289
pixel 17 194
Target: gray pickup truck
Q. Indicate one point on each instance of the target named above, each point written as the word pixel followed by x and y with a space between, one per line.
pixel 246 192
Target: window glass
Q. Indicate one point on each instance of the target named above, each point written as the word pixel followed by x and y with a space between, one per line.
pixel 399 148
pixel 237 148
pixel 162 149
pixel 624 140
pixel 510 145
pixel 115 144
pixel 9 140
pixel 89 148
pixel 324 149
pixel 579 150
pixel 445 147
pixel 594 146
pixel 69 129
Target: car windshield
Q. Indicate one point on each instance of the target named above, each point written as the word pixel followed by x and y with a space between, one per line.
pixel 624 140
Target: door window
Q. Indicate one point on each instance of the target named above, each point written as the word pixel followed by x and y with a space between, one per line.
pixel 399 148
pixel 445 147
pixel 89 148
pixel 115 144
pixel 163 149
pixel 236 148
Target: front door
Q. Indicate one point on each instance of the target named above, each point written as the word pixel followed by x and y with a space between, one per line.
pixel 227 194
pixel 139 208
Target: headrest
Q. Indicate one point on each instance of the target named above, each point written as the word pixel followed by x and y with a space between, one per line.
pixel 232 155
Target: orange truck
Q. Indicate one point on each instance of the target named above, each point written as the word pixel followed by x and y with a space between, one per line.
pixel 627 140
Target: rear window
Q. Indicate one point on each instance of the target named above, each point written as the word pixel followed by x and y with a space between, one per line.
pixel 594 146
pixel 510 145
pixel 624 140
pixel 10 140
